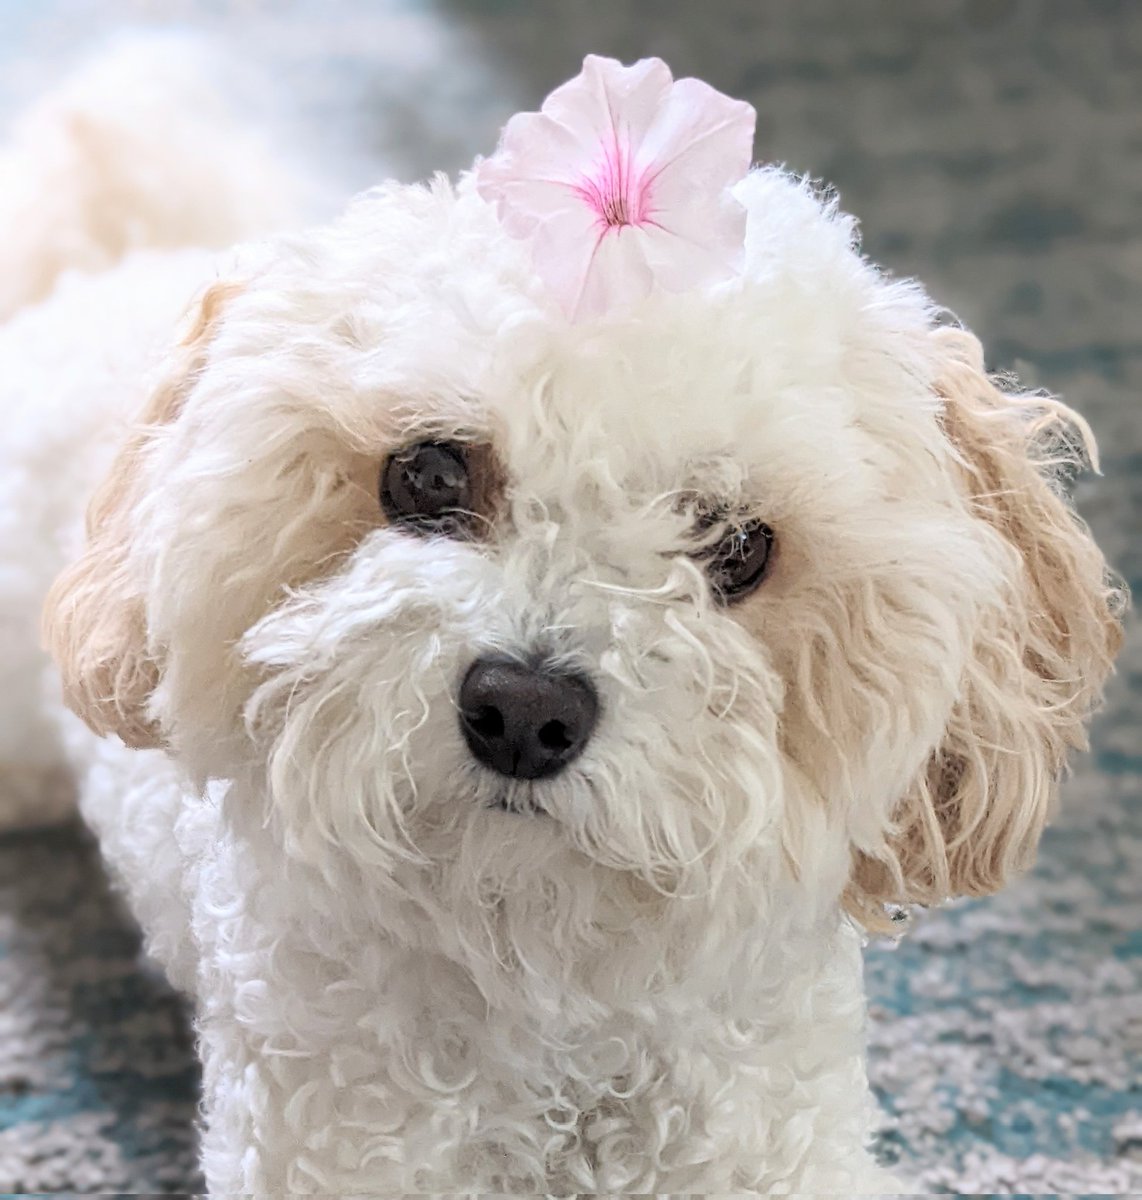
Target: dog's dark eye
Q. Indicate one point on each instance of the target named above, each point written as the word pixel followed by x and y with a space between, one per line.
pixel 428 486
pixel 740 561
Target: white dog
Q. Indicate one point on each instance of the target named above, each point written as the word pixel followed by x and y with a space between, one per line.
pixel 517 678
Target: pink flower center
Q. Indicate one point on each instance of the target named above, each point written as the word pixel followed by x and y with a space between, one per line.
pixel 613 192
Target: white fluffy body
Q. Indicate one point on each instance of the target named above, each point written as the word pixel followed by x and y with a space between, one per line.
pixel 651 983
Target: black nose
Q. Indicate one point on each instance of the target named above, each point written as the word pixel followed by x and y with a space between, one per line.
pixel 525 722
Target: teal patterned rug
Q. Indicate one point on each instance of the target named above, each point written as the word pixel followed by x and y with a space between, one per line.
pixel 991 147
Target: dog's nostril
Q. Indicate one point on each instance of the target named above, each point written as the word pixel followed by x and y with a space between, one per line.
pixel 526 722
pixel 553 735
pixel 488 722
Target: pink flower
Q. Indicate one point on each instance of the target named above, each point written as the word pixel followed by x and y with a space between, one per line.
pixel 622 182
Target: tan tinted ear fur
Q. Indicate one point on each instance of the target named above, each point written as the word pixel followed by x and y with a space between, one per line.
pixel 94 623
pixel 975 814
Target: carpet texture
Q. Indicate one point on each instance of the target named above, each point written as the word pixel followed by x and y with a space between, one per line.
pixel 991 147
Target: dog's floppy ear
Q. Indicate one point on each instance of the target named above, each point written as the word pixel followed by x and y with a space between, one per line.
pixel 94 620
pixel 974 815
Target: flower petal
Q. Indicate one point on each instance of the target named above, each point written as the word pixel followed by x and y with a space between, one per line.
pixel 525 204
pixel 700 134
pixel 696 247
pixel 535 146
pixel 617 276
pixel 564 250
pixel 607 101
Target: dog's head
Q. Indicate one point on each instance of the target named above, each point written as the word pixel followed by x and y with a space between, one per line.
pixel 765 594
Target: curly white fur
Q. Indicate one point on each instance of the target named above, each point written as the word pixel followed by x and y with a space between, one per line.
pixel 654 984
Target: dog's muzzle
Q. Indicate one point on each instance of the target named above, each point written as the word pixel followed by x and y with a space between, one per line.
pixel 526 722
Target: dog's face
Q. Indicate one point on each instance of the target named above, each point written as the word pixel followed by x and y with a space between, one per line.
pixel 753 596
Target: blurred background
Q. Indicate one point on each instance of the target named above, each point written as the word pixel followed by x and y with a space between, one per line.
pixel 993 148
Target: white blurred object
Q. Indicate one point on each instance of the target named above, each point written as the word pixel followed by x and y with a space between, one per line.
pixel 134 157
pixel 137 149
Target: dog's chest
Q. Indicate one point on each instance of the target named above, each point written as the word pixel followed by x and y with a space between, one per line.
pixel 386 1069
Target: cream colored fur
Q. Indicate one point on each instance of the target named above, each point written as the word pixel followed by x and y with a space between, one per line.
pixel 653 985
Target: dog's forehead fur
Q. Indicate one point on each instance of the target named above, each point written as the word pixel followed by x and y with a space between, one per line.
pixel 416 313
